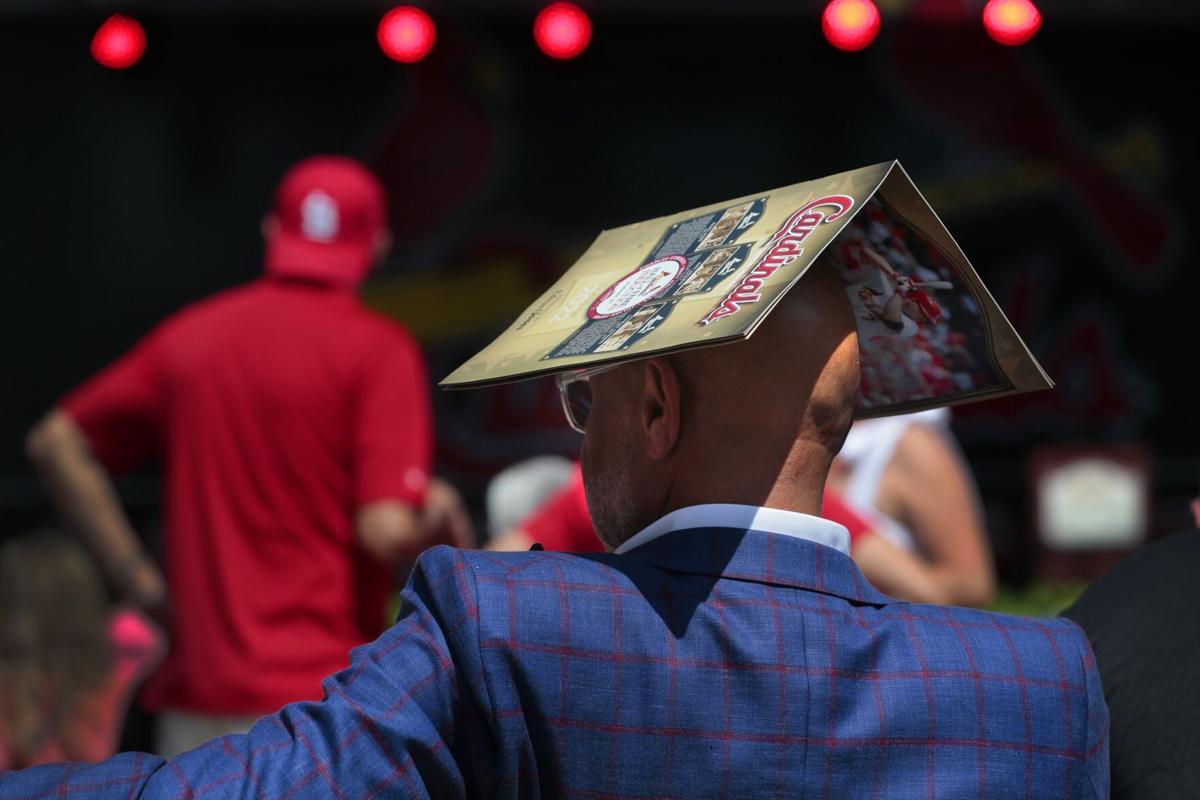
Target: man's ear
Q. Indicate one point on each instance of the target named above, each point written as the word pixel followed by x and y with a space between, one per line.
pixel 659 411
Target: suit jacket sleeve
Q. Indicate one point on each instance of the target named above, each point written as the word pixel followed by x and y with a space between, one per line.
pixel 410 717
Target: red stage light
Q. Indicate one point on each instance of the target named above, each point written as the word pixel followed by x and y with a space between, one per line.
pixel 119 42
pixel 850 24
pixel 406 34
pixel 562 30
pixel 1011 22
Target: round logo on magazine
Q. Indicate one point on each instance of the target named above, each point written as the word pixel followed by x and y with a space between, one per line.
pixel 644 283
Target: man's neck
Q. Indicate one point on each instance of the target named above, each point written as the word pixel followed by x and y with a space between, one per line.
pixel 798 486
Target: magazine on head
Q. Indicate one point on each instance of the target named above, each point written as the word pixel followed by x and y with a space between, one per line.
pixel 930 334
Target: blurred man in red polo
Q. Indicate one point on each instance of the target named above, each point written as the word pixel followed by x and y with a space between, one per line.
pixel 295 433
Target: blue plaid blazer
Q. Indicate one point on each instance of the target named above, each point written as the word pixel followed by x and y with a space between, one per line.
pixel 706 663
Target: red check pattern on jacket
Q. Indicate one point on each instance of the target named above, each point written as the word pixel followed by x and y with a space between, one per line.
pixel 706 663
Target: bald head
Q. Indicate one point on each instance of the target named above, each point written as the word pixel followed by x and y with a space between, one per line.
pixel 755 422
pixel 795 378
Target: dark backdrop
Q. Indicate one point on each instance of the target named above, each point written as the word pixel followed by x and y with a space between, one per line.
pixel 1064 168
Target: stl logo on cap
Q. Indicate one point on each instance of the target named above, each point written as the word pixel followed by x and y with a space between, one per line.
pixel 319 218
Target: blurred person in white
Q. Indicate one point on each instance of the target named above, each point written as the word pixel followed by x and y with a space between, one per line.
pixel 907 475
pixel 519 490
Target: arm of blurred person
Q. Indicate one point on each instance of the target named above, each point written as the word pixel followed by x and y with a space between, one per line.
pixel 108 425
pixel 395 532
pixel 897 572
pixel 389 530
pixel 936 496
pixel 82 490
pixel 445 516
pixel 401 509
pixel 890 569
pixel 511 540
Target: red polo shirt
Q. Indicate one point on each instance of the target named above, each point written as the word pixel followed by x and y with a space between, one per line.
pixel 563 523
pixel 278 408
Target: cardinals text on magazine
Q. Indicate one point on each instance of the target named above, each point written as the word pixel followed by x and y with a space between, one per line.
pixel 782 249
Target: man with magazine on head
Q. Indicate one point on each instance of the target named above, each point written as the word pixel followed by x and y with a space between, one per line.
pixel 725 645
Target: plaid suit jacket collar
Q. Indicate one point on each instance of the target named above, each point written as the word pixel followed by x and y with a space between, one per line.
pixel 760 557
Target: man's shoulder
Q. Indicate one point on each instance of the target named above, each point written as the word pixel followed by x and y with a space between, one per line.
pixel 1055 649
pixel 489 585
pixel 265 296
pixel 338 321
pixel 959 618
pixel 248 292
pixel 376 338
pixel 377 325
pixel 531 567
pixel 211 310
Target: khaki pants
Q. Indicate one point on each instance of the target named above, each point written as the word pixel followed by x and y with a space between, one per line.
pixel 180 731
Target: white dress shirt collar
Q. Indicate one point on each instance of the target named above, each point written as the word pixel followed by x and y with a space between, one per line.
pixel 744 518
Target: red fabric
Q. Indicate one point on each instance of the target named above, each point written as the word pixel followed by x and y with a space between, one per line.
pixel 834 509
pixel 562 523
pixel 279 408
pixel 925 300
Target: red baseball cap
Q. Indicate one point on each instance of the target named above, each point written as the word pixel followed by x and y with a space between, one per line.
pixel 330 211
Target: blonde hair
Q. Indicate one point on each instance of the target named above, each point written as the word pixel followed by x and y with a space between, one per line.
pixel 54 645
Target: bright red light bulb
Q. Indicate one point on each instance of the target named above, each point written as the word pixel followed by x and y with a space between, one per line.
pixel 1011 22
pixel 850 24
pixel 406 34
pixel 119 42
pixel 562 30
